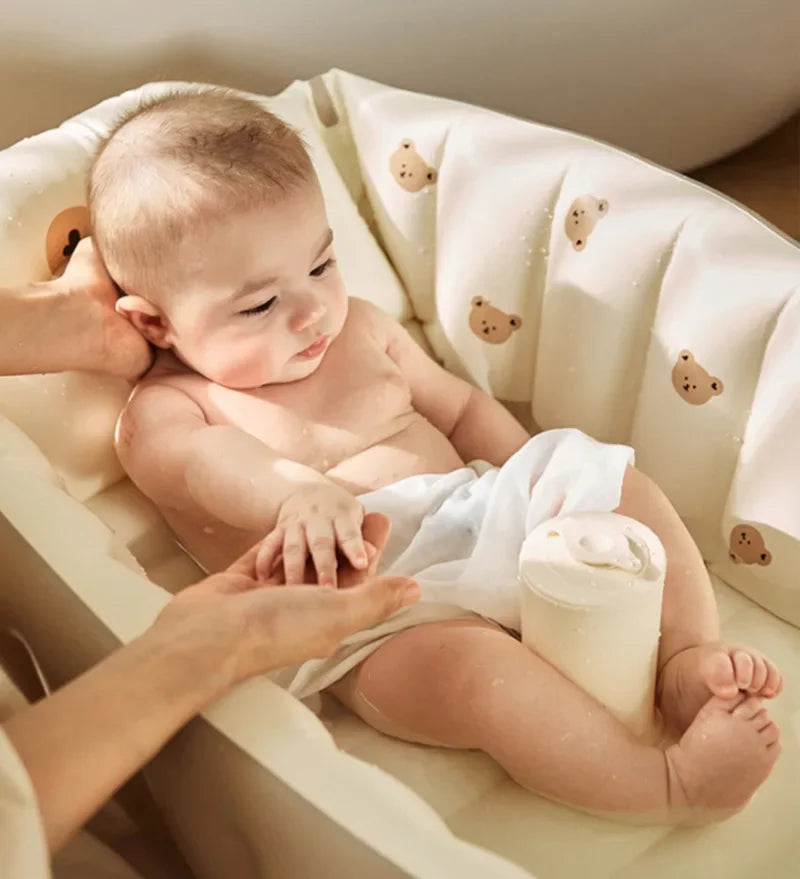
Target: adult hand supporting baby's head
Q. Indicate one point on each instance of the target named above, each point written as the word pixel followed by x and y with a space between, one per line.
pixel 109 342
pixel 239 627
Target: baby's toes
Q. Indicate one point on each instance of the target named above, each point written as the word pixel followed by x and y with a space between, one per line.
pixel 774 682
pixel 719 675
pixel 759 673
pixel 743 668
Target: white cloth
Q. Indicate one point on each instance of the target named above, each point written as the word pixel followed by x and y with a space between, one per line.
pixel 459 535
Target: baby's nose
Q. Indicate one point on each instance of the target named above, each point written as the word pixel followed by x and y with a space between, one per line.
pixel 306 315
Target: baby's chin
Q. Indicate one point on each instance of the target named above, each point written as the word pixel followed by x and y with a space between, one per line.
pixel 294 371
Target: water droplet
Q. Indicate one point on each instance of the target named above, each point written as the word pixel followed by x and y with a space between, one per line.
pixel 521 237
pixel 635 283
pixel 208 530
pixel 543 250
pixel 10 219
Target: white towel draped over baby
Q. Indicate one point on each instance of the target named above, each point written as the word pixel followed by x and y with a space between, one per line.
pixel 460 534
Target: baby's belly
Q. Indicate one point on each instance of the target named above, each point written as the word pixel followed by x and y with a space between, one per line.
pixel 417 448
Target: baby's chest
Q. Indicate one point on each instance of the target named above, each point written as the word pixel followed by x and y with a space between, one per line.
pixel 348 404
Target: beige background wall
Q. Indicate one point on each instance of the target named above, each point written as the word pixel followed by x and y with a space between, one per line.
pixel 679 81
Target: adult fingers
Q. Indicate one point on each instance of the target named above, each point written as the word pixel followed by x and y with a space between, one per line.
pixel 375 530
pixel 371 602
pixel 267 551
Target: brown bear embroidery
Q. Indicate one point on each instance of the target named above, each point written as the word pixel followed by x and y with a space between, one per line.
pixel 747 546
pixel 409 169
pixel 582 217
pixel 491 324
pixel 692 382
pixel 66 230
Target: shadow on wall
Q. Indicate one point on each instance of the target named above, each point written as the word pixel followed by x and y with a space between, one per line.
pixel 44 94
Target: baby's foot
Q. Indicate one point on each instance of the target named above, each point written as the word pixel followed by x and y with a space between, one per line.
pixel 692 676
pixel 722 758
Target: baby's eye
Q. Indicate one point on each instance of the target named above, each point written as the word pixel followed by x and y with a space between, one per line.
pixel 320 270
pixel 261 309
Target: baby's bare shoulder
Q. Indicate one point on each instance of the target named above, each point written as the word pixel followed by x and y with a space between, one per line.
pixel 155 406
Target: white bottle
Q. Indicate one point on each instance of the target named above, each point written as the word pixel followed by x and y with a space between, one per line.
pixel 592 585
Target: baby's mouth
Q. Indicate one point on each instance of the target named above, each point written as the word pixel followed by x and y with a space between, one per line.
pixel 315 349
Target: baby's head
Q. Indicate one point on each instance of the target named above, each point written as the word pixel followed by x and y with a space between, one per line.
pixel 207 213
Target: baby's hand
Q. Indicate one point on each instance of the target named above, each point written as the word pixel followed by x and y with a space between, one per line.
pixel 375 531
pixel 315 520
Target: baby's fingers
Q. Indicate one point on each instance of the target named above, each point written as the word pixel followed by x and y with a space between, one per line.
pixel 322 546
pixel 351 541
pixel 295 550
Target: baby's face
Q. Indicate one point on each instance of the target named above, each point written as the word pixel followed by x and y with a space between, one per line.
pixel 257 298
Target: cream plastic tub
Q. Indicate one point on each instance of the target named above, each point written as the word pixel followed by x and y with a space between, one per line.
pixel 666 316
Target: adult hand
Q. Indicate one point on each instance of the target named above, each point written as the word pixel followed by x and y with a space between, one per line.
pixel 116 347
pixel 254 627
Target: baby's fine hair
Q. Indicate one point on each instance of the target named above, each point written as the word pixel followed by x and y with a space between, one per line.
pixel 179 161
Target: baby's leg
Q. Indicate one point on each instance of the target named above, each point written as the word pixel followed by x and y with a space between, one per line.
pixel 693 664
pixel 467 684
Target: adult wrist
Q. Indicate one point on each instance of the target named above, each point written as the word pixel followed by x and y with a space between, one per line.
pixel 198 650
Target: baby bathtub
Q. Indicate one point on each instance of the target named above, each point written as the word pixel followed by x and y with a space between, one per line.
pixel 580 285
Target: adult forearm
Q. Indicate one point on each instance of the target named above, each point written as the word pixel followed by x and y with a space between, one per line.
pixel 240 481
pixel 486 430
pixel 83 742
pixel 43 329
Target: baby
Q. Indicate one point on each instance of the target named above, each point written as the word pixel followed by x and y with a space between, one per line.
pixel 278 406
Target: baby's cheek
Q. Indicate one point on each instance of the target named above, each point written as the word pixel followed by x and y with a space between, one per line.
pixel 238 365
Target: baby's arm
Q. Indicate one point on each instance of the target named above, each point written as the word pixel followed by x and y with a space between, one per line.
pixel 183 463
pixel 475 423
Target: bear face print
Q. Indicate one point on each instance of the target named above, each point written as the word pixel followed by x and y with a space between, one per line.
pixel 747 546
pixel 66 230
pixel 409 169
pixel 490 324
pixel 582 217
pixel 692 382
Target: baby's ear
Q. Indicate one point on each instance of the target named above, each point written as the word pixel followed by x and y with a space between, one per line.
pixel 147 318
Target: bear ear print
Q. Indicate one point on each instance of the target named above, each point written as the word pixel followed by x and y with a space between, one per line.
pixel 478 301
pixel 602 206
pixel 686 355
pixel 716 386
pixel 765 558
pixel 734 558
pixel 580 244
pixel 515 321
pixel 65 232
pixel 407 144
pixel 432 175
